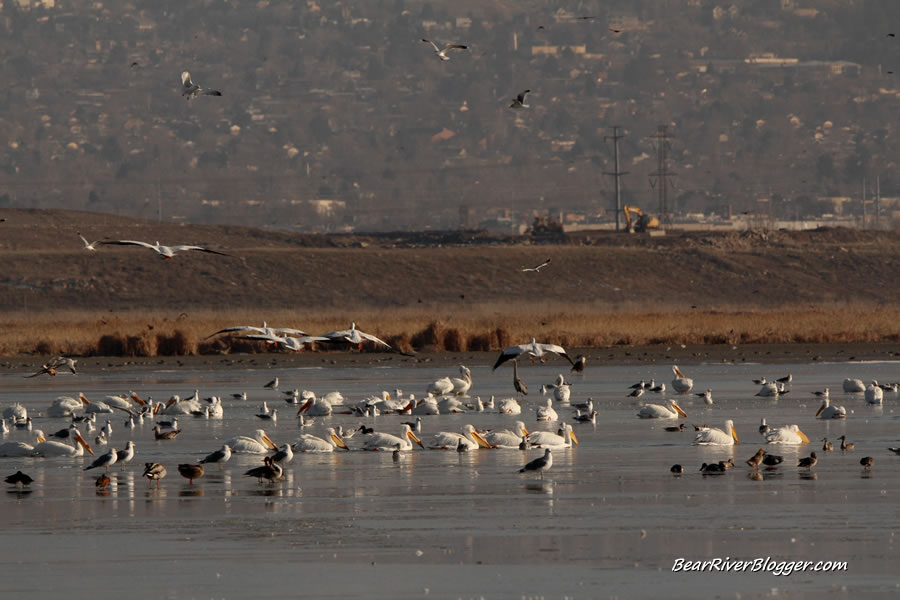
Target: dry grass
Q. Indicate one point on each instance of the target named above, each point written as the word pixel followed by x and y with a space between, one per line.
pixel 481 328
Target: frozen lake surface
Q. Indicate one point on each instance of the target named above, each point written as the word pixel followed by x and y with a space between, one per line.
pixel 608 520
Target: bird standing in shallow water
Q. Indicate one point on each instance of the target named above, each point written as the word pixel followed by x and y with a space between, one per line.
pixel 867 462
pixel 102 482
pixel 191 472
pixel 755 460
pixel 19 478
pixel 539 464
pixel 154 472
pixel 809 461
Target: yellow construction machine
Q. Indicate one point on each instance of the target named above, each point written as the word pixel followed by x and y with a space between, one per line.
pixel 637 221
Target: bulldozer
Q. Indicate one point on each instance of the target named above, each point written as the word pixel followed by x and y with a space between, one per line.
pixel 637 221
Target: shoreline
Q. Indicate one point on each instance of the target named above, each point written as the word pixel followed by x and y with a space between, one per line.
pixel 615 355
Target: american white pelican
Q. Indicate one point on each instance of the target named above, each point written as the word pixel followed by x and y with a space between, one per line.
pixel 442 53
pixel 219 457
pixel 532 349
pixel 294 344
pixel 64 406
pixel 519 102
pixel 446 440
pixel 826 411
pixel 789 434
pixel 854 385
pixel 427 406
pixel 258 444
pixel 191 472
pixel 509 406
pixel 657 411
pixel 449 406
pixel 315 407
pixel 355 336
pixel 539 464
pixel 265 330
pixel 104 460
pixel 270 470
pixel 461 385
pixel 215 410
pixel 718 437
pixel 506 438
pixel 561 389
pixel 165 252
pixel 546 412
pixel 386 441
pixel 874 394
pixel 154 472
pixel 312 444
pixel 544 264
pixel 21 448
pixel 681 383
pixel 440 387
pixel 178 406
pixel 16 411
pixel 386 405
pixel 548 439
pixel 192 90
pixel 769 389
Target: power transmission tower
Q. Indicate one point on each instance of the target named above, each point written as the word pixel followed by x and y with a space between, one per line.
pixel 615 137
pixel 659 179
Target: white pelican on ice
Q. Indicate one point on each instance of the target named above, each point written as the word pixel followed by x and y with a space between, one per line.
pixel 315 407
pixel 386 441
pixel 547 412
pixel 681 383
pixel 874 394
pixel 548 439
pixel 441 387
pixel 789 434
pixel 506 438
pixel 854 385
pixel 718 437
pixel 313 444
pixel 449 440
pixel 258 444
pixel 64 406
pixel 75 445
pixel 826 411
pixel 657 411
pixel 532 349
pixel 21 448
pixel 461 385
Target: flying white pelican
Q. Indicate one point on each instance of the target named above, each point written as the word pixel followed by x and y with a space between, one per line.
pixel 450 440
pixel 547 412
pixel 826 411
pixel 539 464
pixel 538 268
pixel 294 344
pixel 854 385
pixel 265 330
pixel 657 411
pixel 532 349
pixel 258 444
pixel 509 406
pixel 506 438
pixel 90 246
pixel 355 336
pixel 442 53
pixel 386 441
pixel 166 252
pixel 192 90
pixel 519 102
pixel 681 384
pixel 718 437
pixel 312 444
pixel 874 393
pixel 789 434
pixel 548 439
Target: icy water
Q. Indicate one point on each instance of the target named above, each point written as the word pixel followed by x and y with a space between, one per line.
pixel 608 520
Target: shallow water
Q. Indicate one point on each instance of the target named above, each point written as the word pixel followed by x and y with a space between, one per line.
pixel 608 520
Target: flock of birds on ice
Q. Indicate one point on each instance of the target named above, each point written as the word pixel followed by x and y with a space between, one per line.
pixel 443 396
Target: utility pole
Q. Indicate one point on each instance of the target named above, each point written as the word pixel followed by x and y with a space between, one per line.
pixel 865 215
pixel 878 202
pixel 659 178
pixel 615 137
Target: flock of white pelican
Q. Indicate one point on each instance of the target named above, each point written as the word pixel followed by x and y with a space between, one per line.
pixel 446 395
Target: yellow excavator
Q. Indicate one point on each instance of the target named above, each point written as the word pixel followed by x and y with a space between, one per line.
pixel 637 221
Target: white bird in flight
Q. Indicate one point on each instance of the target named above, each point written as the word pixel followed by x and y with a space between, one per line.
pixel 536 269
pixel 533 349
pixel 91 246
pixel 354 336
pixel 519 101
pixel 192 90
pixel 442 54
pixel 167 252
